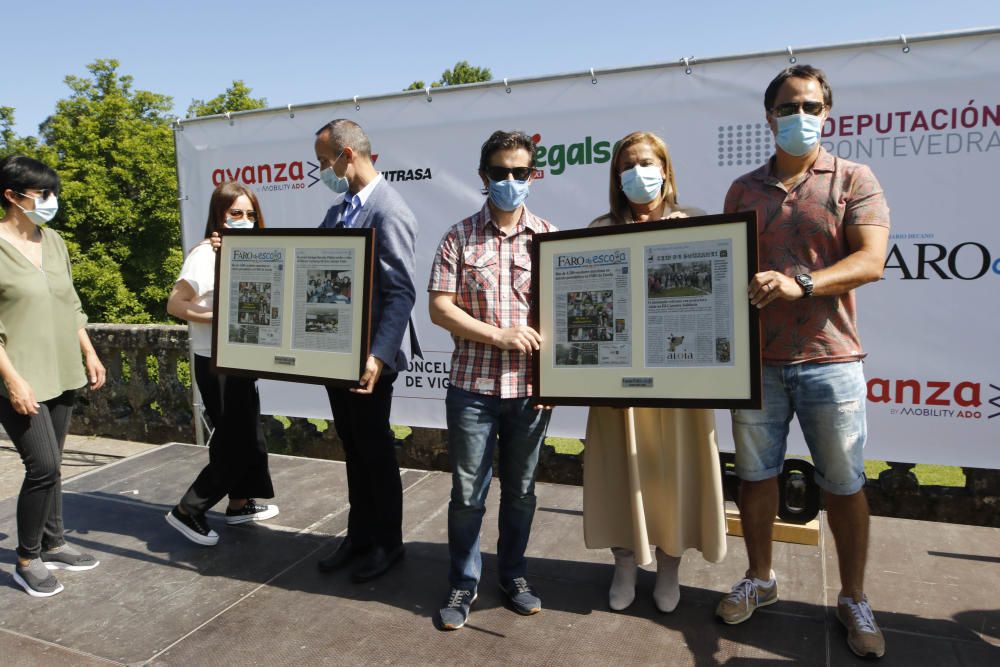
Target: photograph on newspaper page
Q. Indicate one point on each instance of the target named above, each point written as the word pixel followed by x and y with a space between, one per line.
pixel 653 314
pixel 293 304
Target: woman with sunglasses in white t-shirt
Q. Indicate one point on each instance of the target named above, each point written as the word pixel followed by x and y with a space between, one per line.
pixel 237 450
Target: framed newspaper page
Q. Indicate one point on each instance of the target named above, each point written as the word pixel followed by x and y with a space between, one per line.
pixel 653 314
pixel 293 304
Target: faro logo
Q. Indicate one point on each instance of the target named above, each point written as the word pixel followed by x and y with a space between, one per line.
pixel 558 157
pixel 934 398
pixel 274 176
pixel 922 261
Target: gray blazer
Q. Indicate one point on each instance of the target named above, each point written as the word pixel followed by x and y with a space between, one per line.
pixel 393 292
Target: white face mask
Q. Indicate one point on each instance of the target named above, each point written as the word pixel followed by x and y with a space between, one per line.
pixel 45 209
pixel 242 223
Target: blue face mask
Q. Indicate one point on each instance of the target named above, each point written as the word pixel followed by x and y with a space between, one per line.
pixel 330 179
pixel 641 184
pixel 799 133
pixel 243 223
pixel 509 194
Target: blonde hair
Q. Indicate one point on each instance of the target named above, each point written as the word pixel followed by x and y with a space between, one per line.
pixel 619 202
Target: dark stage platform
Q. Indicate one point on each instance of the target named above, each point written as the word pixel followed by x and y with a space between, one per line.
pixel 258 598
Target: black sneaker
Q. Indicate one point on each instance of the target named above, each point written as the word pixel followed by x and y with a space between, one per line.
pixel 68 557
pixel 36 580
pixel 521 596
pixel 193 527
pixel 456 610
pixel 251 512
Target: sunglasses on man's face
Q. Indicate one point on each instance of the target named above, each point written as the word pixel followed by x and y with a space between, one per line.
pixel 792 108
pixel 238 213
pixel 45 194
pixel 500 173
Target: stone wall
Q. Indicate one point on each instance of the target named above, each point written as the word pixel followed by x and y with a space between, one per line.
pixel 145 400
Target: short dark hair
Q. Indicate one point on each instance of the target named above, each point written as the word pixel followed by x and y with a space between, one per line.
pixel 798 72
pixel 222 198
pixel 20 173
pixel 502 140
pixel 347 133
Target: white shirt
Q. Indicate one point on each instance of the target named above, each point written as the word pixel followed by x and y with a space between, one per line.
pixel 199 272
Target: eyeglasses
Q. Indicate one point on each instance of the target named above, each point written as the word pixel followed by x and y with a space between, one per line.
pixel 791 108
pixel 497 173
pixel 46 193
pixel 237 213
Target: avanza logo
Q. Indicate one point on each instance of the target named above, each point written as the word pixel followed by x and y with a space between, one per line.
pixel 558 157
pixel 934 398
pixel 274 176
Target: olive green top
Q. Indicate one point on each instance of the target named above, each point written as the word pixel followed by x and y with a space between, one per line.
pixel 40 318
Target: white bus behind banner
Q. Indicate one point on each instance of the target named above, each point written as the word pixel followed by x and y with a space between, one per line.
pixel 924 113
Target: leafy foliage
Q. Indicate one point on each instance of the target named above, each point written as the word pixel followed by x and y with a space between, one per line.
pixel 236 98
pixel 463 72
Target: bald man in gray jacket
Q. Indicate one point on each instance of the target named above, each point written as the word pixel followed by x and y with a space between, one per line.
pixel 374 541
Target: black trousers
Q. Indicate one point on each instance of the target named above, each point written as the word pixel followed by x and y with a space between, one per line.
pixel 373 485
pixel 39 440
pixel 237 450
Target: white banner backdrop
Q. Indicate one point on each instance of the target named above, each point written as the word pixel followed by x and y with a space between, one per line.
pixel 927 121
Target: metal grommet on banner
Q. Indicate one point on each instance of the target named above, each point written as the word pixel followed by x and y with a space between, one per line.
pixel 357 107
pixel 791 56
pixel 229 117
pixel 506 86
pixel 593 77
pixel 687 64
pixel 906 47
pixel 427 91
pixel 291 114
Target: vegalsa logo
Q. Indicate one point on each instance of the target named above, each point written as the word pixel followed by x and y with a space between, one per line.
pixel 270 177
pixel 942 399
pixel 922 259
pixel 558 157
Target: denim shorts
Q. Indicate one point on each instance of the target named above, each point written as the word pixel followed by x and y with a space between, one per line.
pixel 829 401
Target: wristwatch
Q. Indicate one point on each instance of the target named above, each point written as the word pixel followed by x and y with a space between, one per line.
pixel 805 281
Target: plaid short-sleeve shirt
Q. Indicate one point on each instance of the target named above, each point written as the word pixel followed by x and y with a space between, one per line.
pixel 489 273
pixel 802 230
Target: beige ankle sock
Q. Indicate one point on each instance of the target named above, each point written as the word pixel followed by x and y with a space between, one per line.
pixel 622 591
pixel 667 592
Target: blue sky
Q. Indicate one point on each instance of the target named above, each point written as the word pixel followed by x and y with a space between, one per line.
pixel 297 52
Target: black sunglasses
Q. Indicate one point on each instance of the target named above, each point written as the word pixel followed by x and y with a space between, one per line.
pixel 792 108
pixel 46 193
pixel 500 173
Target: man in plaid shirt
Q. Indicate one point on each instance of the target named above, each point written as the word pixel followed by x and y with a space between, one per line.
pixel 480 291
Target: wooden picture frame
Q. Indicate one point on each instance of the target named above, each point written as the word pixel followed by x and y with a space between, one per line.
pixel 293 304
pixel 648 315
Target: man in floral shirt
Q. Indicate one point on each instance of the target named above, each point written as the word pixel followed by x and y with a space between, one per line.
pixel 823 232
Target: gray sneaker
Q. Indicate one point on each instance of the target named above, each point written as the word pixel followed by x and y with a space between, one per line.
pixel 36 580
pixel 70 558
pixel 863 634
pixel 456 610
pixel 744 599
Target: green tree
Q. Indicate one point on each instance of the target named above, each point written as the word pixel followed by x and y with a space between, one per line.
pixel 10 143
pixel 463 72
pixel 236 98
pixel 113 148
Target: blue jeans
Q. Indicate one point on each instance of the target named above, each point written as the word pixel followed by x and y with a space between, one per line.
pixel 829 401
pixel 475 424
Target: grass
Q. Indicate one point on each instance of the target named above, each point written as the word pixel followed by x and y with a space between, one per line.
pixel 927 474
